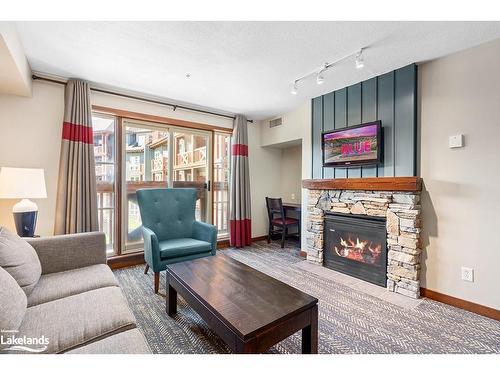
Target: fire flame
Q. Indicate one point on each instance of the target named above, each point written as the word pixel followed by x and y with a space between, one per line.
pixel 358 250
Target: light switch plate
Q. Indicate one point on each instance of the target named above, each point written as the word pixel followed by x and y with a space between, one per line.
pixel 456 141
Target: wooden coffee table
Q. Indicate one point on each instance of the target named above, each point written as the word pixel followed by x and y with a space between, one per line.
pixel 249 310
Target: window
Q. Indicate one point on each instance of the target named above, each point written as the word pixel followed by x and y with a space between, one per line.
pixel 134 154
pixel 144 168
pixel 104 154
pixel 222 147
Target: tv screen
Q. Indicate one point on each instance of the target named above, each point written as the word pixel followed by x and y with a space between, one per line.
pixel 352 146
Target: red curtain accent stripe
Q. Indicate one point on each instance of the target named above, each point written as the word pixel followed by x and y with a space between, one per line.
pixel 240 149
pixel 77 133
pixel 240 232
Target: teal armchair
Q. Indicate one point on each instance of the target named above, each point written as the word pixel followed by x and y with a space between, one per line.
pixel 171 233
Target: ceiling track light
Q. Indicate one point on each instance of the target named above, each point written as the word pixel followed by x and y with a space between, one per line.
pixel 360 62
pixel 320 73
pixel 320 78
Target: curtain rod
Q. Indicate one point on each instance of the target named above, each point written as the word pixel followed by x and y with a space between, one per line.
pixel 174 106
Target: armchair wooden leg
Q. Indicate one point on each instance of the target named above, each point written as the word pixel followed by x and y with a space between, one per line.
pixel 269 235
pixel 157 282
pixel 283 238
pixel 147 269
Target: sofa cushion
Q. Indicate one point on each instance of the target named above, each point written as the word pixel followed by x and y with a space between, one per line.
pixel 179 247
pixel 12 304
pixel 79 319
pixel 128 342
pixel 19 259
pixel 57 285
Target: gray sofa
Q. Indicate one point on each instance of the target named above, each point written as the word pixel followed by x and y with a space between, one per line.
pixel 75 304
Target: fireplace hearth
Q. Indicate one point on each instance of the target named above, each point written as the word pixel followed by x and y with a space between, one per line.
pixel 356 245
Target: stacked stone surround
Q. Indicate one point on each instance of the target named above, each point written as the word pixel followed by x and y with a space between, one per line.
pixel 402 212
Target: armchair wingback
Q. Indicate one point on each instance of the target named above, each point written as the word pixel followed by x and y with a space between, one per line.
pixel 171 233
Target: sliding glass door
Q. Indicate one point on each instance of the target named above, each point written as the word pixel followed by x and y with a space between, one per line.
pixel 220 185
pixel 105 168
pixel 191 167
pixel 132 154
pixel 159 156
pixel 145 165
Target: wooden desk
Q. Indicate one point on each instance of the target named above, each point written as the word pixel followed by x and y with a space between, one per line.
pixel 294 207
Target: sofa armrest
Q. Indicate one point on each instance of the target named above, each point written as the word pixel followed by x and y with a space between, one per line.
pixel 206 232
pixel 151 248
pixel 70 251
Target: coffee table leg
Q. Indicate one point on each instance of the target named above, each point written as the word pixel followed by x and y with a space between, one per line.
pixel 171 298
pixel 310 334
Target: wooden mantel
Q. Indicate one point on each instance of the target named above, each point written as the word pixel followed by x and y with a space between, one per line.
pixel 371 183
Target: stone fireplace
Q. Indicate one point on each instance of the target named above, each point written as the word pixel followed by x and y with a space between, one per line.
pixel 393 201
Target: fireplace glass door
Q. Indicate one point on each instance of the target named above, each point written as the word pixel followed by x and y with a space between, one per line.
pixel 356 245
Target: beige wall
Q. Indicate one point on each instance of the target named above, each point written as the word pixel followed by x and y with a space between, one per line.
pixel 296 128
pixel 265 164
pixel 460 94
pixel 30 129
pixel 291 174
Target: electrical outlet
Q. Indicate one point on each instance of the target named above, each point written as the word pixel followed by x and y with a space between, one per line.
pixel 293 197
pixel 468 274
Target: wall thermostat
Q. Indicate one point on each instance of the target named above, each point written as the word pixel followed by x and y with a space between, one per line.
pixel 456 141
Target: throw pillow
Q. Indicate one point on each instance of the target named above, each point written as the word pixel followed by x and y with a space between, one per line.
pixel 20 260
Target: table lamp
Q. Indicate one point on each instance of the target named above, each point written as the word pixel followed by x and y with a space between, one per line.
pixel 23 183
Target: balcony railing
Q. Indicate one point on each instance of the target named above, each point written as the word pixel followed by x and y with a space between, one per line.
pixel 192 158
pixel 105 212
pixel 99 150
pixel 159 164
pixel 100 170
pixel 221 207
pixel 200 155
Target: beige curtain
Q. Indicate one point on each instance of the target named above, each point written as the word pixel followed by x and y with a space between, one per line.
pixel 240 231
pixel 76 207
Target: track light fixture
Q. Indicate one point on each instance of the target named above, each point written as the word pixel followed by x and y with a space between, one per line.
pixel 320 72
pixel 320 78
pixel 360 62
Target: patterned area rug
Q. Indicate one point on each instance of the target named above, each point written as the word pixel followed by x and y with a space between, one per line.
pixel 350 321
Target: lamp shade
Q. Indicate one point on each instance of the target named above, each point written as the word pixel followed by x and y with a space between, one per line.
pixel 20 183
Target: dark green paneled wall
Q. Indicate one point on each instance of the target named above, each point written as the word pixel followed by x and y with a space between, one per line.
pixel 390 98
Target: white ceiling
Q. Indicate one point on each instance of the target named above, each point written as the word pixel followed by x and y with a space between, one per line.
pixel 237 67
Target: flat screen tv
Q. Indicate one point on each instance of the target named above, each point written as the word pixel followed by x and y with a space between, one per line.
pixel 353 146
